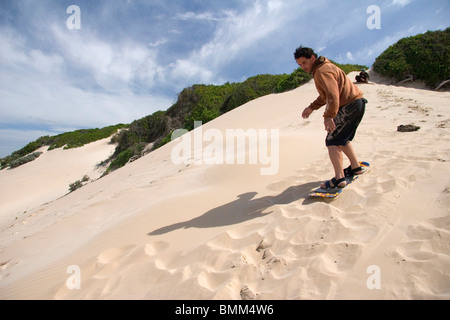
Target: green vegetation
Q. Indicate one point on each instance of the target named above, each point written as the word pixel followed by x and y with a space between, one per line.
pixel 78 184
pixel 28 158
pixel 425 56
pixel 347 68
pixel 292 81
pixel 67 140
pixel 200 103
pixel 81 137
pixel 256 87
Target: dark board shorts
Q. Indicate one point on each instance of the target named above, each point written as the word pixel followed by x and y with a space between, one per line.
pixel 347 121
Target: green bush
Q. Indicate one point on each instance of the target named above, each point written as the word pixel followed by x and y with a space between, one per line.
pixel 425 56
pixel 121 159
pixel 18 162
pixel 159 143
pixel 347 68
pixel 200 103
pixel 251 89
pixel 78 184
pixel 79 138
pixel 292 81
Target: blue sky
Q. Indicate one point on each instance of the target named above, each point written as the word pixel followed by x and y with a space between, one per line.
pixel 132 57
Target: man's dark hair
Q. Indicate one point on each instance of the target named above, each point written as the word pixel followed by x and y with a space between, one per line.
pixel 304 52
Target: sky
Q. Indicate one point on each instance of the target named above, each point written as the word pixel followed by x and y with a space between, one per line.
pixel 77 64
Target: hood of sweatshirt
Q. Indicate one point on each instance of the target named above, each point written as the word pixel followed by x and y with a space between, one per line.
pixel 318 63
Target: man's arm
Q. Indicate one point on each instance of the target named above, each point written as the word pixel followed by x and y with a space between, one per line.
pixel 318 103
pixel 332 94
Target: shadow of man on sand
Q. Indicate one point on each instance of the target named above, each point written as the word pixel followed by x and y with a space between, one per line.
pixel 244 208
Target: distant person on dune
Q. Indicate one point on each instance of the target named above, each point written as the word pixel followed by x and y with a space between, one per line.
pixel 344 111
pixel 363 77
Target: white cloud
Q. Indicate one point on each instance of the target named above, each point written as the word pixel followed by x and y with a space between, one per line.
pixel 37 92
pixel 349 56
pixel 15 55
pixel 46 64
pixel 32 98
pixel 187 71
pixel 401 3
pixel 114 67
pixel 235 32
pixel 9 41
pixel 208 16
pixel 158 42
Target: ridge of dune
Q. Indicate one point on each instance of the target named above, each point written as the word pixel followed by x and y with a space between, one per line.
pixel 158 230
pixel 47 178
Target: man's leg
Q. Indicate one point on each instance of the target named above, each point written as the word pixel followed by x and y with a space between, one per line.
pixel 350 153
pixel 337 160
pixel 335 153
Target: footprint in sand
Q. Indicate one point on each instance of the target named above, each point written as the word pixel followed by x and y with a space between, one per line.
pixel 213 281
pixel 298 125
pixel 424 259
pixel 110 261
pixel 154 248
pixel 113 254
pixel 4 266
pixel 247 294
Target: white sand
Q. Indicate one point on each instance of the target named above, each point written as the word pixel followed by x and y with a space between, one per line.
pixel 159 230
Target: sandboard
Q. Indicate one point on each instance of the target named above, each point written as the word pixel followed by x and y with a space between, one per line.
pixel 334 192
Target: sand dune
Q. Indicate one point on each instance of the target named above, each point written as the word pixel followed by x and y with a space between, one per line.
pixel 159 230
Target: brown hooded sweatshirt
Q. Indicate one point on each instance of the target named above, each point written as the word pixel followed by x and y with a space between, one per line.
pixel 334 87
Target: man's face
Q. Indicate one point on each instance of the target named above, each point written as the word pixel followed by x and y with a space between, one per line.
pixel 306 64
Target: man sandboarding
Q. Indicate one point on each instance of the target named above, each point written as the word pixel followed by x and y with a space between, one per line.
pixel 345 107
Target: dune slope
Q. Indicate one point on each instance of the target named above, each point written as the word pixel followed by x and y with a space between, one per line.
pixel 156 229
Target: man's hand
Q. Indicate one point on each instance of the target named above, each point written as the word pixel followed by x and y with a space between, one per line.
pixel 330 126
pixel 307 112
